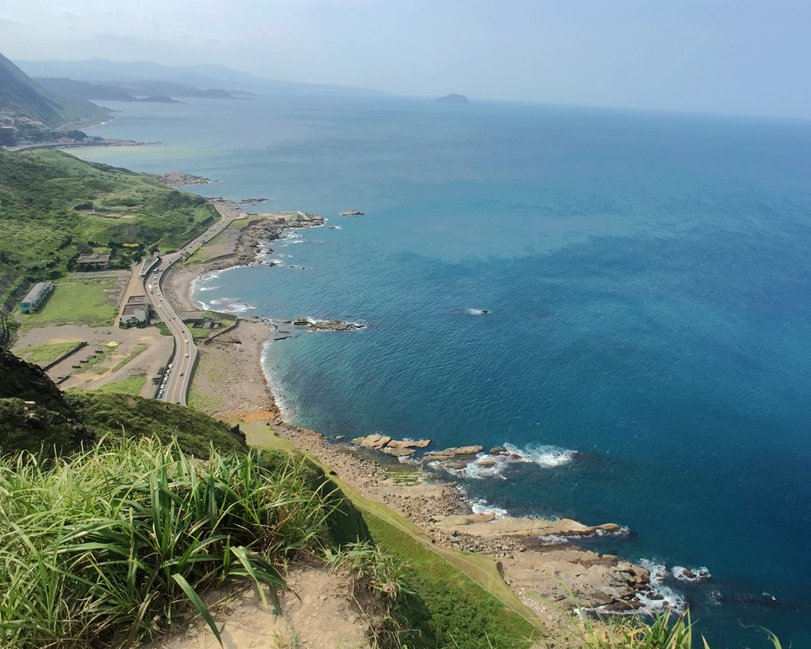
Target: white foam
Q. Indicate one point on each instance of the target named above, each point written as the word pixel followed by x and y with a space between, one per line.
pixel 554 539
pixel 202 289
pixel 240 308
pixel 229 305
pixel 660 597
pixel 691 574
pixel 657 571
pixel 481 506
pixel 477 311
pixel 492 466
pixel 287 412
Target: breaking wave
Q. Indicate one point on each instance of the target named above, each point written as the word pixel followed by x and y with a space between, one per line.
pixel 228 305
pixel 492 465
pixel 691 574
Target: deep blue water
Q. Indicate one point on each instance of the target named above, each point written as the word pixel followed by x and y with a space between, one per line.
pixel 648 286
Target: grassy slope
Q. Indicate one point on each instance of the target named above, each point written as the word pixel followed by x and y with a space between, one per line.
pixel 40 232
pixel 460 600
pixel 114 413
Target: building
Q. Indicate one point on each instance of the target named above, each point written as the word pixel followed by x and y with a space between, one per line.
pixel 136 312
pixel 36 296
pixel 7 136
pixel 93 262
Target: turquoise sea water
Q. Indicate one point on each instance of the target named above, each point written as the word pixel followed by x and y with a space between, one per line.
pixel 648 286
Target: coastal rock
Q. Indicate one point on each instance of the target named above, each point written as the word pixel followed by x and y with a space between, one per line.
pixel 252 240
pixel 293 219
pixel 577 578
pixel 487 525
pixel 328 325
pixel 372 441
pixel 407 443
pixel 453 453
pixel 397 452
pixel 389 446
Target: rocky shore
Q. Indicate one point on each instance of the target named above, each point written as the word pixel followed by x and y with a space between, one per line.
pixel 237 247
pixel 535 556
pixel 255 235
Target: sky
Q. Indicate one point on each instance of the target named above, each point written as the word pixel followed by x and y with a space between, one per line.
pixel 718 56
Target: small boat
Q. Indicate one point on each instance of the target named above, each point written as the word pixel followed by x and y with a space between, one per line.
pixel 352 213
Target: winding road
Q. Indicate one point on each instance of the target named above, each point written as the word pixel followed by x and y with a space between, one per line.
pixel 179 370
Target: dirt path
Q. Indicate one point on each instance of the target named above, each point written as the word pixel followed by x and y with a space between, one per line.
pixel 317 612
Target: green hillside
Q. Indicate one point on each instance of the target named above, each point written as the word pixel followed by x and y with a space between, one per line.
pixel 54 207
pixel 23 97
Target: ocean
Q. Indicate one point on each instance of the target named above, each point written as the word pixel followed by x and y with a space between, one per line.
pixel 647 285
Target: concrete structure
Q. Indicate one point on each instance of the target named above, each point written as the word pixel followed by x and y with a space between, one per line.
pixel 136 312
pixel 148 264
pixel 93 262
pixel 36 296
pixel 199 319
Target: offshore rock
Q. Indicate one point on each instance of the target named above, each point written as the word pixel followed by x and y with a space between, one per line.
pixel 372 441
pixel 407 443
pixel 487 525
pixel 453 453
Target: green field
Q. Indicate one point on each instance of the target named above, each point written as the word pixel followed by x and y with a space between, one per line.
pixel 44 354
pixel 131 385
pixel 139 348
pixel 76 302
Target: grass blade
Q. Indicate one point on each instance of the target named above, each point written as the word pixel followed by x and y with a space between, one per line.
pixel 194 598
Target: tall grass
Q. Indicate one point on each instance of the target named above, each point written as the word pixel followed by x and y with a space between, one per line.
pixel 665 631
pixel 118 543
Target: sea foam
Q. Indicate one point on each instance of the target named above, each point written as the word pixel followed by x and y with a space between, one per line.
pixel 229 305
pixel 488 465
pixel 691 574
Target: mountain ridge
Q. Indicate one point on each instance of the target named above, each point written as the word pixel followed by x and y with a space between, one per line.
pixel 22 97
pixel 204 76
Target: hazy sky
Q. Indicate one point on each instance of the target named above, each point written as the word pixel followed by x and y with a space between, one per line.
pixel 734 56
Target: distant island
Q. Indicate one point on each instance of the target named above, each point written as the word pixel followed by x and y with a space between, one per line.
pixel 452 98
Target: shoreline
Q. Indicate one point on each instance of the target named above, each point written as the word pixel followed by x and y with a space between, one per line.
pixel 535 557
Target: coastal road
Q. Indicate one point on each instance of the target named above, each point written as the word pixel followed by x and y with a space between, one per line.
pixel 176 381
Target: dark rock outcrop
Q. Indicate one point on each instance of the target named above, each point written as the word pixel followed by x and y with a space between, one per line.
pixel 33 412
